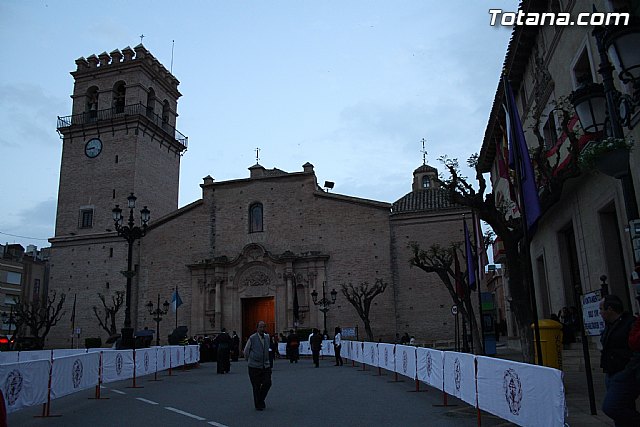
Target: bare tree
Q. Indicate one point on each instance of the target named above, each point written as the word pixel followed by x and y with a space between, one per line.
pixel 36 320
pixel 109 312
pixel 551 180
pixel 437 259
pixel 361 296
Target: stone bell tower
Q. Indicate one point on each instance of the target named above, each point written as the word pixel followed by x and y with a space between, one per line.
pixel 120 139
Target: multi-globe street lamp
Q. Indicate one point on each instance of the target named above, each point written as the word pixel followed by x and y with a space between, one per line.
pixel 131 233
pixel 158 312
pixel 601 108
pixel 324 303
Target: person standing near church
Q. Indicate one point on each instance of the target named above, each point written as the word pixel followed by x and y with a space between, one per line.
pixel 315 341
pixel 235 346
pixel 223 345
pixel 337 345
pixel 256 352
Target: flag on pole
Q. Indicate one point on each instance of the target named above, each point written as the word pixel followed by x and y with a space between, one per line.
pixel 73 312
pixel 471 265
pixel 458 274
pixel 176 301
pixel 520 161
pixel 296 306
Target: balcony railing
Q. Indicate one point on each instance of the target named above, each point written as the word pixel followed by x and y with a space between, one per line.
pixel 95 116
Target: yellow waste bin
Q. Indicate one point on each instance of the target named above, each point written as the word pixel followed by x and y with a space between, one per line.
pixel 550 342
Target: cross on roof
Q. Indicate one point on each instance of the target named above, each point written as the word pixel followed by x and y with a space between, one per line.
pixel 424 152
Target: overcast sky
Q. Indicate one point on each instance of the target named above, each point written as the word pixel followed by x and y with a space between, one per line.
pixel 350 86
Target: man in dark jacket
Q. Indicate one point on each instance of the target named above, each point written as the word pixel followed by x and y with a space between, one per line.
pixel 315 341
pixel 293 344
pixel 223 343
pixel 615 357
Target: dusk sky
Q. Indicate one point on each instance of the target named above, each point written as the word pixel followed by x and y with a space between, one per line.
pixel 349 86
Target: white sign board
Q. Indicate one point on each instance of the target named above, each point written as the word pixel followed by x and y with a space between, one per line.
pixel 593 323
pixel 348 332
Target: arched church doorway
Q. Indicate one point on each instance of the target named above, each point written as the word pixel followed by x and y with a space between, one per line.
pixel 254 310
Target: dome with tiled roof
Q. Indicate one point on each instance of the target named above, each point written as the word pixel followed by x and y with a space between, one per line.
pixel 432 199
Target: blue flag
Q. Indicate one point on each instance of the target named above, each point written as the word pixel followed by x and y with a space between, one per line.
pixel 471 265
pixel 176 301
pixel 520 161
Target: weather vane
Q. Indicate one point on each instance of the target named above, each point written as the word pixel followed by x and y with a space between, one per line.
pixel 424 152
pixel 257 155
pixel 141 37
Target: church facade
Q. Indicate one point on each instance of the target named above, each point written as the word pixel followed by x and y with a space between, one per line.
pixel 247 248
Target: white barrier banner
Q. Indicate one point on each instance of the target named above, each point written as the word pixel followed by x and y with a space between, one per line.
pixel 163 358
pixel 359 356
pixel 145 361
pixel 191 354
pixel 26 356
pixel 74 373
pixel 24 384
pixel 370 351
pixel 386 356
pixel 460 376
pixel 327 348
pixel 304 348
pixel 177 355
pixel 8 357
pixel 117 365
pixel 406 361
pixel 58 353
pixel 527 395
pixel 431 367
pixel 282 348
pixel 345 349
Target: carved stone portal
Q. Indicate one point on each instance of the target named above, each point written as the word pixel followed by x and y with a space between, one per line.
pixel 256 281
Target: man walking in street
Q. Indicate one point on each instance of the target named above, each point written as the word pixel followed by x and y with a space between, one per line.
pixel 616 354
pixel 256 351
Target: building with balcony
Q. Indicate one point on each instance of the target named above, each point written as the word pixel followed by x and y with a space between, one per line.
pixel 584 233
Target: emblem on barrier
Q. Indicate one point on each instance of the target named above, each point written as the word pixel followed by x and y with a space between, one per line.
pixel 13 387
pixel 119 364
pixel 146 362
pixel 405 362
pixel 386 356
pixel 178 356
pixel 164 358
pixel 373 356
pixel 76 373
pixel 512 390
pixel 457 374
pixel 429 365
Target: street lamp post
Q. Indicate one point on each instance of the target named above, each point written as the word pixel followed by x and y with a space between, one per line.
pixel 158 312
pixel 131 233
pixel 324 303
pixel 10 316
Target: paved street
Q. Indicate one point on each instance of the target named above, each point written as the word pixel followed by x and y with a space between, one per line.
pixel 300 395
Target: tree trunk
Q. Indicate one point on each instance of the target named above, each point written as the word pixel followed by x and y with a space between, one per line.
pixel 520 301
pixel 367 329
pixel 478 345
